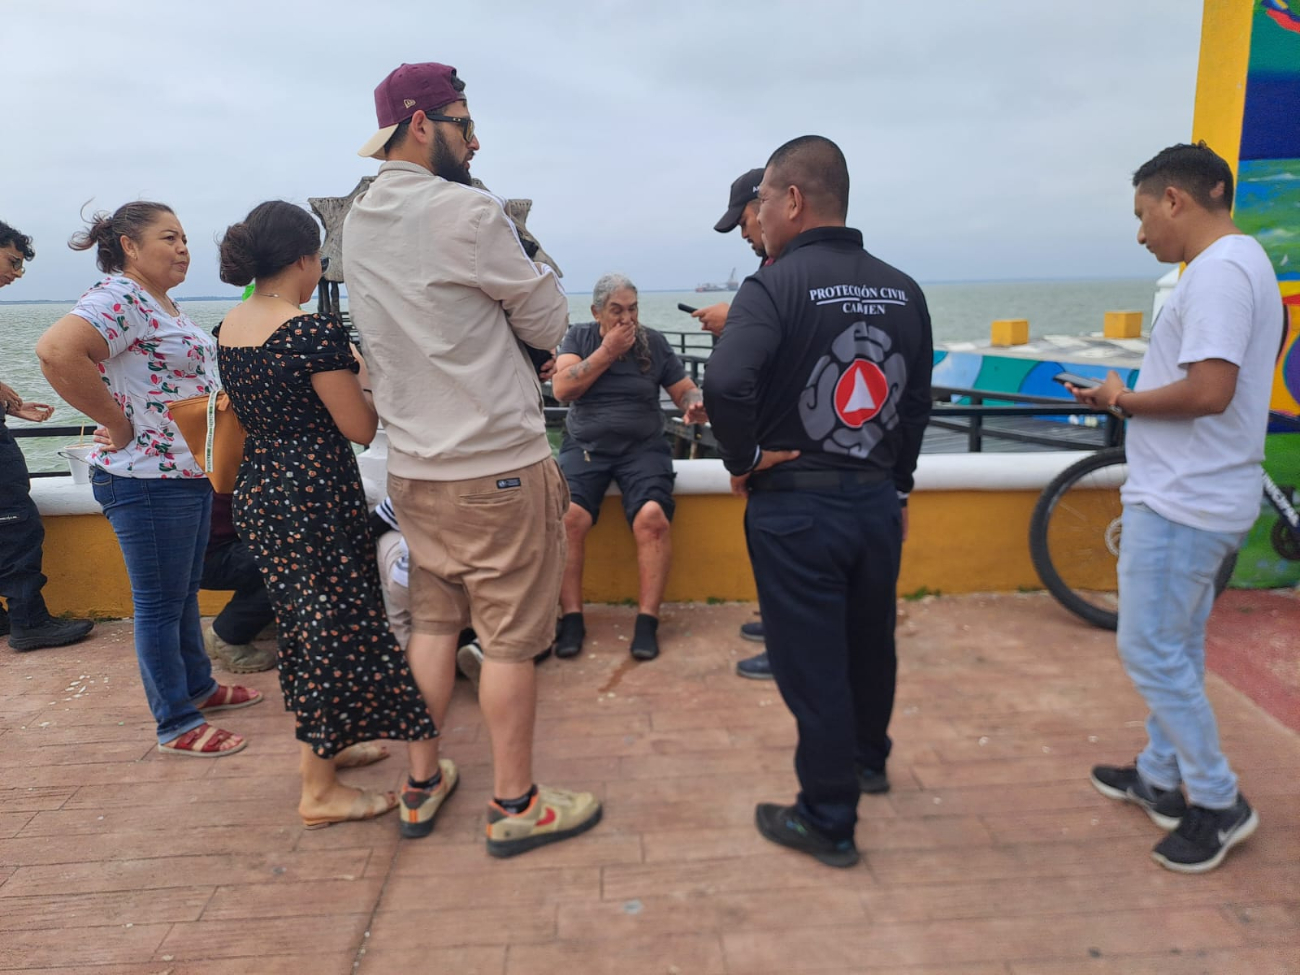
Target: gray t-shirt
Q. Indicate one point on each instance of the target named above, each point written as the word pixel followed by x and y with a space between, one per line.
pixel 621 409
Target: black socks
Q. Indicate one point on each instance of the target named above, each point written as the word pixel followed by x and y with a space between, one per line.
pixel 569 635
pixel 515 806
pixel 428 785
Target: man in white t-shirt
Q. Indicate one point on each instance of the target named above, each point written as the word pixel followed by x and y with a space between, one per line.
pixel 1195 444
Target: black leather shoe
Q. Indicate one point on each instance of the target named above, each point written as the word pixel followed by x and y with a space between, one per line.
pixel 51 633
pixel 753 632
pixel 871 782
pixel 784 825
pixel 755 668
pixel 4 622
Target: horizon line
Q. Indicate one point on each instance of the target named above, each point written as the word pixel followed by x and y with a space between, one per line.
pixel 690 290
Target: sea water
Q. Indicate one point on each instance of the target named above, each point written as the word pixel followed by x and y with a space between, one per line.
pixel 960 312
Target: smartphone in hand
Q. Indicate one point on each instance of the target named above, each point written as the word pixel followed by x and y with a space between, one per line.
pixel 1074 379
pixel 686 308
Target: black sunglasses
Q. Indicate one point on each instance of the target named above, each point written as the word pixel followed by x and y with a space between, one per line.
pixel 466 124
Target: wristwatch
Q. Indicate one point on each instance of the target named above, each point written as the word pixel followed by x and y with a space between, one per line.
pixel 1115 409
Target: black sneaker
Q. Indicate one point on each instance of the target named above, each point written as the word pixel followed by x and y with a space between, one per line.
pixel 1205 836
pixel 871 782
pixel 51 633
pixel 569 635
pixel 645 638
pixel 752 632
pixel 783 825
pixel 755 668
pixel 4 621
pixel 1165 806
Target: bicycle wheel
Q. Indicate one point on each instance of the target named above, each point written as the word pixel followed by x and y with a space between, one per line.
pixel 1074 536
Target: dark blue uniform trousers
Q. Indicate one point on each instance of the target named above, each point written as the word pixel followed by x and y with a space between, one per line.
pixel 21 535
pixel 826 564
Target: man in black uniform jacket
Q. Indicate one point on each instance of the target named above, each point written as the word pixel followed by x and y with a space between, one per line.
pixel 819 393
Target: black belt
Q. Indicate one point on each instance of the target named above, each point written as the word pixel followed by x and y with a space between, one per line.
pixel 827 480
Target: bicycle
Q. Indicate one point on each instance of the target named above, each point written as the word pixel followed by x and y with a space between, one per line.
pixel 1074 534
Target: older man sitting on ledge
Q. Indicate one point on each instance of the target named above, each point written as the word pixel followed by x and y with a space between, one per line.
pixel 610 371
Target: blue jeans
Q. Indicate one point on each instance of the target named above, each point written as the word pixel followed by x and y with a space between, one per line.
pixel 1166 592
pixel 162 527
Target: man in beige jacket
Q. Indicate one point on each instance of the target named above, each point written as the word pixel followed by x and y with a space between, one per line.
pixel 445 298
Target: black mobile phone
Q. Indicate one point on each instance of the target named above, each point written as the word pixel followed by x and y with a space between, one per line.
pixel 1074 379
pixel 686 308
pixel 538 357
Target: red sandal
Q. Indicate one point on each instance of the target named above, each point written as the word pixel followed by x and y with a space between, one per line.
pixel 205 741
pixel 227 697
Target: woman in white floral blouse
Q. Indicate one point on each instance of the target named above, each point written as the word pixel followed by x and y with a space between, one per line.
pixel 120 357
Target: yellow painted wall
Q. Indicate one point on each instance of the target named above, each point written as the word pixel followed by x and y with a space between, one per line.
pixel 87 576
pixel 961 541
pixel 1221 76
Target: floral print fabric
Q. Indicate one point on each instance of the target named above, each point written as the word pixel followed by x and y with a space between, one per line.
pixel 300 507
pixel 154 358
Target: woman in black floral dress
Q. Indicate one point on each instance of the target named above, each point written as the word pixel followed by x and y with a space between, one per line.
pixel 293 381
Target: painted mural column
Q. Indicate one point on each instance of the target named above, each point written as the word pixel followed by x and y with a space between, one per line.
pixel 1248 111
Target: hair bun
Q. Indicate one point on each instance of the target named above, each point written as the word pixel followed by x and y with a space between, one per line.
pixel 238 262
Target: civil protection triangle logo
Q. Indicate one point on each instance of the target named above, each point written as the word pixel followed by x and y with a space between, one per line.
pixel 861 393
pixel 858 382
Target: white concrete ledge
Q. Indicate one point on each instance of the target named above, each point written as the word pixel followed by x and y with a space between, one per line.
pixel 935 472
pixel 56 496
pixel 994 471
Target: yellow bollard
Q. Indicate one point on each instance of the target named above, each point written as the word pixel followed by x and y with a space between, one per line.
pixel 1122 325
pixel 1010 331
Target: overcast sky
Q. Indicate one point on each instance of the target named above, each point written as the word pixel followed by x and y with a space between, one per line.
pixel 986 140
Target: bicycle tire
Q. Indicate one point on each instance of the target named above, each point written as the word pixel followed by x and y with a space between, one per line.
pixel 1089 607
pixel 1092 539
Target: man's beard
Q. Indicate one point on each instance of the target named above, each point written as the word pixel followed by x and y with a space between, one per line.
pixel 444 164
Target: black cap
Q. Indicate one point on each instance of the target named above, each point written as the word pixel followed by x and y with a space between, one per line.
pixel 742 191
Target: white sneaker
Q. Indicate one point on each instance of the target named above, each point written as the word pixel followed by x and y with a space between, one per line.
pixel 469 660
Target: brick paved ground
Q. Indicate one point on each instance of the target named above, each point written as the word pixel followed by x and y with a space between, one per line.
pixel 991 855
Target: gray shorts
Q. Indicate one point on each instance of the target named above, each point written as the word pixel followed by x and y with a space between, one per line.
pixel 642 474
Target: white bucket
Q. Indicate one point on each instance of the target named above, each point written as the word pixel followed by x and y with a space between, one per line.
pixel 76 454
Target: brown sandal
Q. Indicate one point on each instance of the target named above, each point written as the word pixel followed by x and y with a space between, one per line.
pixel 364 806
pixel 205 741
pixel 227 697
pixel 361 754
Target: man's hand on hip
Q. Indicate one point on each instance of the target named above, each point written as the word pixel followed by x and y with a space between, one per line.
pixel 766 459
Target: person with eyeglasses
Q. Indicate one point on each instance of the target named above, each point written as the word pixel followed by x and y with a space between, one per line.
pixel 26 620
pixel 446 299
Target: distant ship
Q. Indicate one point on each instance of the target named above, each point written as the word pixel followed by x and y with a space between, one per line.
pixel 731 285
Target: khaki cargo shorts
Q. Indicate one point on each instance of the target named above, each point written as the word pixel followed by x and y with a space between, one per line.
pixel 487 553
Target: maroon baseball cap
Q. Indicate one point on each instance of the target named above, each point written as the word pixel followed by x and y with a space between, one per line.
pixel 408 89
